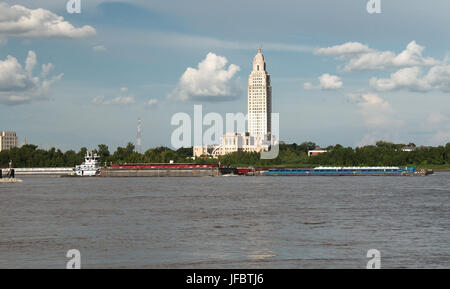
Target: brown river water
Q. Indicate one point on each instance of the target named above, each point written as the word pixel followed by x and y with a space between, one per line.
pixel 226 222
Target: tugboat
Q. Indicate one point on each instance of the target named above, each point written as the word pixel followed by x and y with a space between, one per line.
pixel 90 167
pixel 10 175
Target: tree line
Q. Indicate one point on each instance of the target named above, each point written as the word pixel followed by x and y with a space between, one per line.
pixel 31 156
pixel 381 154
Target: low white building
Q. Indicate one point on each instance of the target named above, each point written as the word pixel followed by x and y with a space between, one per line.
pixel 409 148
pixel 231 142
pixel 203 150
pixel 8 140
pixel 316 152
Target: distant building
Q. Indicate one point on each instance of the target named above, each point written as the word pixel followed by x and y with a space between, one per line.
pixel 8 140
pixel 231 142
pixel 259 98
pixel 203 150
pixel 409 148
pixel 316 151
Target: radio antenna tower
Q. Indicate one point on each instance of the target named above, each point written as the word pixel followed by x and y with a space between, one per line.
pixel 139 138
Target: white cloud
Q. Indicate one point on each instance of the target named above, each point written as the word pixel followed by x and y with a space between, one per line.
pixel 360 57
pixel 151 103
pixel 378 116
pixel 413 79
pixel 20 22
pixel 410 64
pixel 17 83
pixel 123 99
pixel 379 60
pixel 46 83
pixel 30 62
pixel 346 48
pixel 99 48
pixel 13 77
pixel 47 68
pixel 211 81
pixel 375 110
pixel 405 77
pixel 326 82
pixel 119 100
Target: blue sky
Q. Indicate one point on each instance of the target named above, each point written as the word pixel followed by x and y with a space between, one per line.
pixel 339 74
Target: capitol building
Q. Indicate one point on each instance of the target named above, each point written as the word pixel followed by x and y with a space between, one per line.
pixel 259 102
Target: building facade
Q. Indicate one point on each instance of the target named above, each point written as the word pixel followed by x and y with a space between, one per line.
pixel 230 143
pixel 8 140
pixel 259 99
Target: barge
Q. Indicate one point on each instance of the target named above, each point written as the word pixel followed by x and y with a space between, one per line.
pixel 347 171
pixel 160 170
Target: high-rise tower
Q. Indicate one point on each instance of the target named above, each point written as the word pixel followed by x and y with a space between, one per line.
pixel 259 99
pixel 139 138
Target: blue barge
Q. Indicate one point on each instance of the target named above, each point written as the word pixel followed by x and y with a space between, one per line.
pixel 345 171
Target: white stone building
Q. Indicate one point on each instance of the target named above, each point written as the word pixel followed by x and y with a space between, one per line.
pixel 259 99
pixel 8 140
pixel 233 142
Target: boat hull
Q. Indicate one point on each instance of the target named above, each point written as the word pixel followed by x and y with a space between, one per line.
pixel 340 174
pixel 348 171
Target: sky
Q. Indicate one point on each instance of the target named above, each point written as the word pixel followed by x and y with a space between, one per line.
pixel 340 75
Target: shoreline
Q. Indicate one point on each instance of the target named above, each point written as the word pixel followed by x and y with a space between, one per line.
pixel 10 181
pixel 107 172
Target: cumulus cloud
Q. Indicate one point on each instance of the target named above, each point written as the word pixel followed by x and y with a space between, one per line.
pixel 375 110
pixel 47 68
pixel 412 73
pixel 378 116
pixel 17 83
pixel 413 79
pixel 346 48
pixel 20 22
pixel 360 57
pixel 326 82
pixel 210 81
pixel 123 99
pixel 379 60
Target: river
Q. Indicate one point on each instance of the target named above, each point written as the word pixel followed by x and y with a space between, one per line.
pixel 226 222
